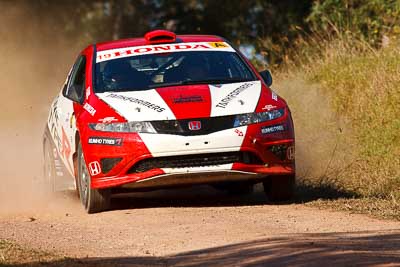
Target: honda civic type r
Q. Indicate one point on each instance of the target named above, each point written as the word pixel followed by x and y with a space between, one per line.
pixel 165 111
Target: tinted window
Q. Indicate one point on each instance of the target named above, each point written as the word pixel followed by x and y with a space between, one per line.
pixel 77 77
pixel 165 69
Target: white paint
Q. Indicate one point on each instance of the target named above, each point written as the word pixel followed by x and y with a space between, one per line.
pixel 108 119
pixel 244 102
pixel 94 168
pixel 139 111
pixel 87 92
pixel 171 145
pixel 161 48
pixel 268 107
pixel 89 109
pixel 274 96
pixel 62 131
pixel 222 167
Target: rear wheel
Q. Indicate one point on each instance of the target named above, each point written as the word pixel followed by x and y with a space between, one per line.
pixel 49 169
pixel 279 188
pixel 93 200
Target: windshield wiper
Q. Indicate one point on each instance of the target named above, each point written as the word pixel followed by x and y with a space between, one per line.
pixel 156 85
pixel 217 81
pixel 206 81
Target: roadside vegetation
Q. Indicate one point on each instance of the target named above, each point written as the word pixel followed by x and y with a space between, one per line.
pixel 12 254
pixel 351 61
pixel 335 61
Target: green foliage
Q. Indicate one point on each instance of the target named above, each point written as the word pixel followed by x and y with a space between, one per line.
pixel 364 87
pixel 370 20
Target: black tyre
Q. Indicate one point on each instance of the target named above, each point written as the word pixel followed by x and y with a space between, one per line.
pixel 236 188
pixel 93 200
pixel 280 188
pixel 48 183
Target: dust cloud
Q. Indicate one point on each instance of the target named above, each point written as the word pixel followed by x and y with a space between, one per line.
pixel 323 137
pixel 35 59
pixel 34 62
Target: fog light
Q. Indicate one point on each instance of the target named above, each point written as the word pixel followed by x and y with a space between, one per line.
pixel 108 163
pixel 279 151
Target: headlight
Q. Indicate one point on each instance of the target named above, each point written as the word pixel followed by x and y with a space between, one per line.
pixel 250 118
pixel 124 127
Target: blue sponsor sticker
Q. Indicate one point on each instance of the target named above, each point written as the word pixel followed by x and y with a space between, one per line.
pixel 272 129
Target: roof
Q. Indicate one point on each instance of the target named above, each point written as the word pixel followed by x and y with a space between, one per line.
pixel 141 41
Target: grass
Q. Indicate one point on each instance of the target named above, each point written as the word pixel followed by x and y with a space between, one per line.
pixel 13 254
pixel 345 99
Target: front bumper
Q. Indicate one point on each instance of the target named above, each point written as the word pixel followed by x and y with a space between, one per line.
pixel 161 160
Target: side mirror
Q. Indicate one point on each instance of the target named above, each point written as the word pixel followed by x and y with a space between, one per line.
pixel 73 93
pixel 267 77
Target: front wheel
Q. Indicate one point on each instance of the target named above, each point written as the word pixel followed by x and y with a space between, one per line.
pixel 279 188
pixel 93 200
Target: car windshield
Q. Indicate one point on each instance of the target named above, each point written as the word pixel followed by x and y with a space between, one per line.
pixel 168 69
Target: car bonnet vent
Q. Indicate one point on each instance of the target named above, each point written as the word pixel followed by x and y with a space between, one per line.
pixel 159 37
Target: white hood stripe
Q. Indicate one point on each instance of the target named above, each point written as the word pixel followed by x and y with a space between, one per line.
pixel 235 98
pixel 148 105
pixel 145 105
pixel 161 48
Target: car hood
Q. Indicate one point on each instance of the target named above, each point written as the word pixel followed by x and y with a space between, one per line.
pixel 185 101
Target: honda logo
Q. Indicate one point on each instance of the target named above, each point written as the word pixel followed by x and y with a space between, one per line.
pixel 94 168
pixel 194 125
pixel 290 154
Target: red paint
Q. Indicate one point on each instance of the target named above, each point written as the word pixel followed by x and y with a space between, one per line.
pixel 189 101
pixel 159 36
pixel 65 147
pixel 186 102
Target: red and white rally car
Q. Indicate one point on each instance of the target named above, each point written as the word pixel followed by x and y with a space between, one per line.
pixel 167 110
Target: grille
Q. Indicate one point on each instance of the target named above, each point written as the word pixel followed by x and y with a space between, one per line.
pixel 200 160
pixel 181 127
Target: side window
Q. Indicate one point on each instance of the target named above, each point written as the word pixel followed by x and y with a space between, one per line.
pixel 77 78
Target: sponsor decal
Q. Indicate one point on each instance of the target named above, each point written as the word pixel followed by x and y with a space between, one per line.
pixel 109 141
pixel 72 120
pixel 272 129
pixel 239 132
pixel 290 153
pixel 66 147
pixel 268 107
pixel 54 123
pixel 162 48
pixel 194 125
pixel 219 45
pixel 89 109
pixel 232 95
pixel 137 101
pixel 108 119
pixel 188 99
pixel 59 166
pixel 274 96
pixel 87 92
pixel 94 168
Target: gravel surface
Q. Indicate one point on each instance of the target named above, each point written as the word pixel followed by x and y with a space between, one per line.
pixel 200 226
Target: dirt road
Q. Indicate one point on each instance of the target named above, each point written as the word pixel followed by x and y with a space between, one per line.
pixel 196 227
pixel 202 227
